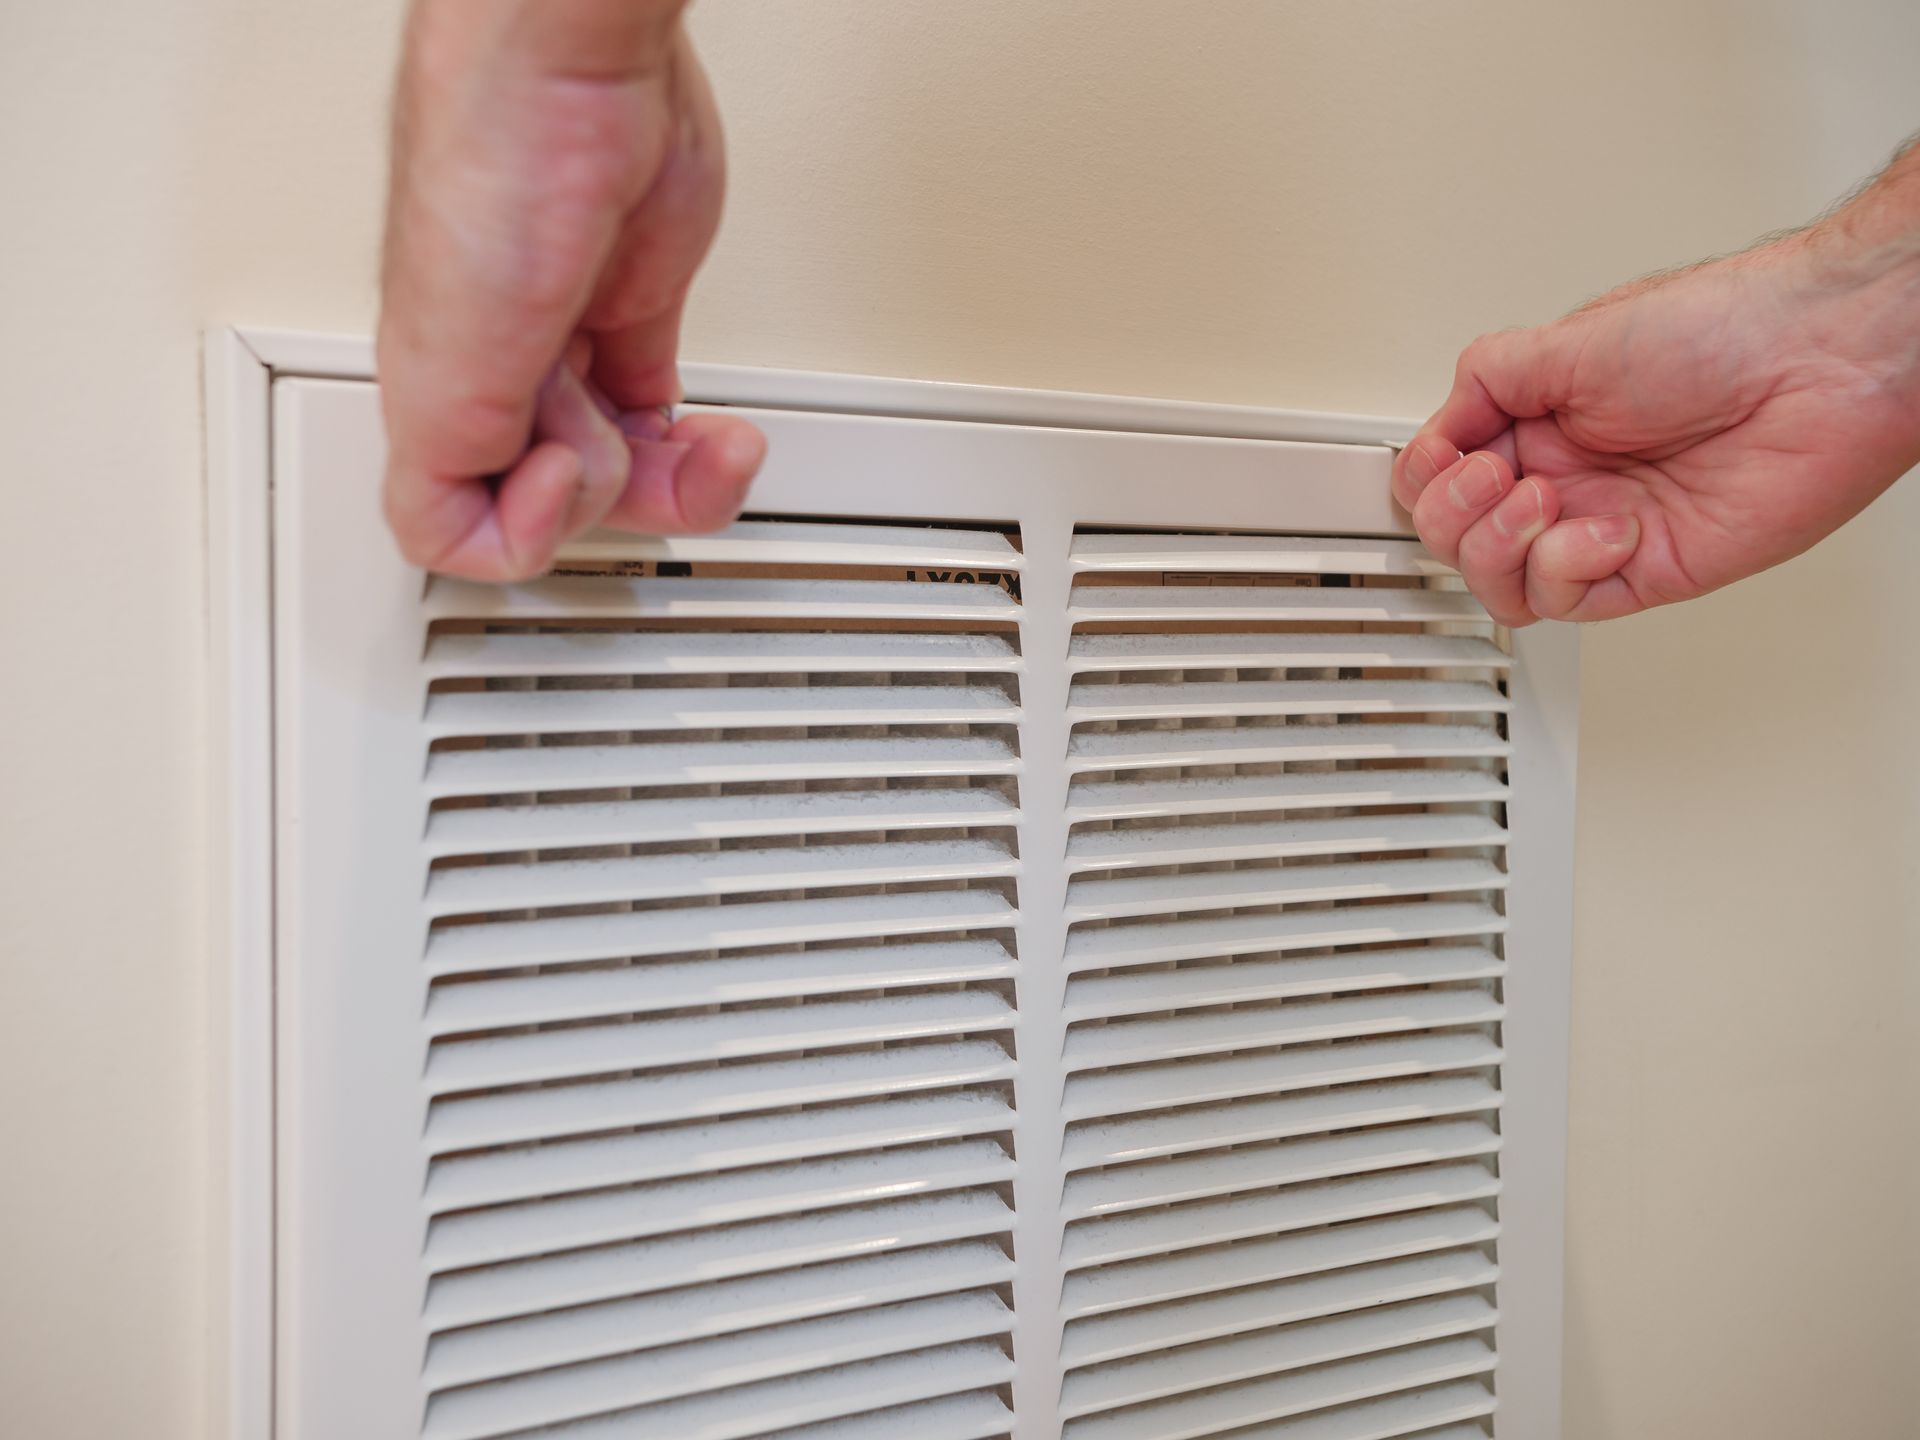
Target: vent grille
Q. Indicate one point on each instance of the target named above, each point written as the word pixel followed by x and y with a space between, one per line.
pixel 721 986
pixel 1283 993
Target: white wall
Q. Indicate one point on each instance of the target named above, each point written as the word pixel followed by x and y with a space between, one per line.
pixel 1306 205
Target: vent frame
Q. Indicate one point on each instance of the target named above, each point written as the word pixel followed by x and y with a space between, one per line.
pixel 253 635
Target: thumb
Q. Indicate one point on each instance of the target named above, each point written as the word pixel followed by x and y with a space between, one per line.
pixel 1573 569
pixel 1506 376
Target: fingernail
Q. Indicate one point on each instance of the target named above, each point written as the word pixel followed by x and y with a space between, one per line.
pixel 1476 484
pixel 578 515
pixel 1614 529
pixel 1522 513
pixel 646 424
pixel 1422 464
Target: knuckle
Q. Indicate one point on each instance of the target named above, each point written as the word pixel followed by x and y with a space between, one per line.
pixel 1439 538
pixel 416 548
pixel 1474 355
pixel 522 569
pixel 1548 602
pixel 1482 352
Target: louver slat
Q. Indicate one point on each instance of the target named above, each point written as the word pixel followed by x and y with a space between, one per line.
pixel 676 1260
pixel 1200 651
pixel 721 707
pixel 1255 554
pixel 563 1167
pixel 1204 1032
pixel 776 542
pixel 1150 1331
pixel 663 1098
pixel 486 1236
pixel 1241 1122
pixel 757 1410
pixel 1281 1396
pixel 565 1337
pixel 717 762
pixel 741 1165
pixel 1284 1162
pixel 979 1416
pixel 756 599
pixel 591 1050
pixel 673 985
pixel 1158 1375
pixel 493 829
pixel 1256 1072
pixel 1135 991
pixel 700 1366
pixel 1263 744
pixel 1239 1217
pixel 1293 885
pixel 1267 840
pixel 1198 699
pixel 1227 1097
pixel 1151 798
pixel 504 654
pixel 1129 1283
pixel 474 888
pixel 1394 1416
pixel 1243 934
pixel 468 949
pixel 1243 603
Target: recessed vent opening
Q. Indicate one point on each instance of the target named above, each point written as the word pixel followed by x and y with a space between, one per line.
pixel 721 987
pixel 1286 869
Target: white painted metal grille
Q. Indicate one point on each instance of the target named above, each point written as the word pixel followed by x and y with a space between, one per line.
pixel 1283 995
pixel 722 977
pixel 977 962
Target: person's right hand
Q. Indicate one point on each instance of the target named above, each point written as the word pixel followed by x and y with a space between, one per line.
pixel 1675 435
pixel 557 174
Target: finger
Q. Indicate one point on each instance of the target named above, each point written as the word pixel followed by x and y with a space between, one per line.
pixel 497 532
pixel 636 366
pixel 579 359
pixel 1416 465
pixel 694 480
pixel 636 313
pixel 570 414
pixel 488 530
pixel 1493 552
pixel 1456 498
pixel 1572 569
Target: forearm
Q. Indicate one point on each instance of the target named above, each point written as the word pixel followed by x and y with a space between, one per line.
pixel 1854 280
pixel 1868 247
pixel 566 39
pixel 1878 228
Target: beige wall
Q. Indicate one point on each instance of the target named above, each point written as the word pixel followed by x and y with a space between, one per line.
pixel 1306 205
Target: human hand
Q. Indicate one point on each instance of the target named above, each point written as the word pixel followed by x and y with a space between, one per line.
pixel 557 178
pixel 1680 433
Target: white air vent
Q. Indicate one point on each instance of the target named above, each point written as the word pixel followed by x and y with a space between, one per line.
pixel 1007 942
